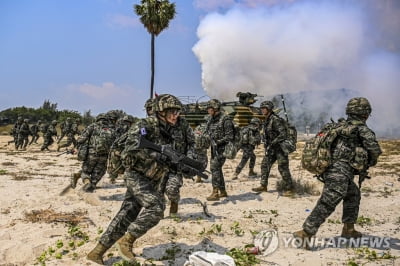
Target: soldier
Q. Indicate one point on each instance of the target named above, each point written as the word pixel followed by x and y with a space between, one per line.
pixel 70 129
pixel 339 177
pixel 115 166
pixel 48 135
pixel 202 143
pixel 23 134
pixel 274 132
pixel 149 107
pixel 250 138
pixel 98 137
pixel 145 176
pixel 220 128
pixel 35 132
pixel 65 129
pixel 15 130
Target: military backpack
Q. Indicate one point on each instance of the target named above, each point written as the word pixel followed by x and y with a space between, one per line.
pixel 102 139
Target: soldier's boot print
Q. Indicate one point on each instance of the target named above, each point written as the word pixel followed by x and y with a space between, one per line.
pixel 74 179
pixel 304 239
pixel 173 208
pixel 125 245
pixel 96 255
pixel 214 195
pixel 198 179
pixel 348 231
pixel 252 173
pixel 235 176
pixel 262 188
pixel 222 193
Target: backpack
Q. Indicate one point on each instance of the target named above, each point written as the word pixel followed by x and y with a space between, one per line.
pixel 289 145
pixel 244 135
pixel 103 139
pixel 317 152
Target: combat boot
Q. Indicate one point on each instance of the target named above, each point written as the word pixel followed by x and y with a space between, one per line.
pixel 305 239
pixel 125 245
pixel 87 187
pixel 214 195
pixel 348 231
pixel 74 179
pixel 235 176
pixel 198 179
pixel 173 208
pixel 252 173
pixel 58 147
pixel 222 193
pixel 96 255
pixel 288 192
pixel 261 188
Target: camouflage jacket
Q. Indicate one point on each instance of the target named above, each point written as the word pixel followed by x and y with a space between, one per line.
pixel 24 129
pixel 179 137
pixel 91 130
pixel 361 136
pixel 274 131
pixel 220 128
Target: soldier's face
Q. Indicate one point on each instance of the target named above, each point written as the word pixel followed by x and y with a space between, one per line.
pixel 172 115
pixel 211 111
pixel 265 111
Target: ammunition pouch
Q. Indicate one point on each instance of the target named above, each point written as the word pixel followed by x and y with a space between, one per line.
pixel 146 164
pixel 230 150
pixel 360 159
pixel 83 151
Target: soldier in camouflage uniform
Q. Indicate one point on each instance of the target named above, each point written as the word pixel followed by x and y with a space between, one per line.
pixel 48 135
pixel 23 134
pixel 202 143
pixel 65 127
pixel 220 128
pixel 35 132
pixel 250 138
pixel 149 107
pixel 274 132
pixel 146 175
pixel 70 130
pixel 339 177
pixel 15 130
pixel 94 165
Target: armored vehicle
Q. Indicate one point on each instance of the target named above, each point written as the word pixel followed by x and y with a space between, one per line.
pixel 241 111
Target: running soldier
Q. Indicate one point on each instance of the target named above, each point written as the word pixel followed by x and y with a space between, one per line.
pixel 70 130
pixel 51 131
pixel 35 132
pixel 146 175
pixel 23 134
pixel 339 177
pixel 15 130
pixel 274 132
pixel 250 137
pixel 220 128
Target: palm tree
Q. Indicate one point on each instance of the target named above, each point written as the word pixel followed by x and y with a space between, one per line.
pixel 155 16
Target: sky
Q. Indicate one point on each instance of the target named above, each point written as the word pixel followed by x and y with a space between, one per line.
pixel 95 54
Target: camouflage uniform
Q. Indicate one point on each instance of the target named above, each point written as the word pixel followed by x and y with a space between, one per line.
pixel 146 176
pixel 95 164
pixel 339 177
pixel 35 132
pixel 250 138
pixel 15 131
pixel 66 128
pixel 274 132
pixel 70 130
pixel 202 143
pixel 48 135
pixel 23 134
pixel 220 128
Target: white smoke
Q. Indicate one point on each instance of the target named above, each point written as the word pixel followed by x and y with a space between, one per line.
pixel 306 46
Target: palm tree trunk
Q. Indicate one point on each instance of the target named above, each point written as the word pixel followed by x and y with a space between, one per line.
pixel 152 67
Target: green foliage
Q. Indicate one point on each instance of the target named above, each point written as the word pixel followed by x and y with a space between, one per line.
pixel 370 255
pixel 364 221
pixel 235 228
pixel 3 172
pixel 242 258
pixel 215 229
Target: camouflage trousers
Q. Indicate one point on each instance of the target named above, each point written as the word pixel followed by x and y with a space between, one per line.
pixel 143 207
pixel 248 153
pixel 47 141
pixel 94 168
pixel 35 137
pixel 70 140
pixel 338 185
pixel 276 155
pixel 217 176
pixel 22 141
pixel 173 186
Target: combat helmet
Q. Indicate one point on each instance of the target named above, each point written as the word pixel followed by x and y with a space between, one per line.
pixel 267 104
pixel 128 118
pixel 54 122
pixel 214 103
pixel 167 101
pixel 149 103
pixel 112 115
pixel 255 121
pixel 101 116
pixel 358 106
pixel 26 120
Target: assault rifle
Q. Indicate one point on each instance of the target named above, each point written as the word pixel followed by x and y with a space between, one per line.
pixel 362 175
pixel 71 151
pixel 175 157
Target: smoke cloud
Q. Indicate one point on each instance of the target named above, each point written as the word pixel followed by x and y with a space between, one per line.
pixel 333 50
